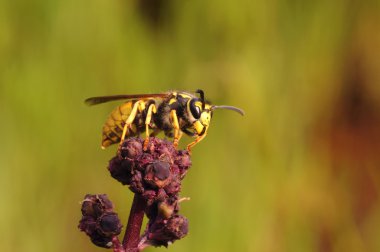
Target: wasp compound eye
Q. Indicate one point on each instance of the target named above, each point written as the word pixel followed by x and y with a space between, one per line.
pixel 195 110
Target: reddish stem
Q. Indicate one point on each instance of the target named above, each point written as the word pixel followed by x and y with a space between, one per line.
pixel 136 216
pixel 116 245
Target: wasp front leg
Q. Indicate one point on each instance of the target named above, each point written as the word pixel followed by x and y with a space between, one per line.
pixel 177 131
pixel 197 140
pixel 152 109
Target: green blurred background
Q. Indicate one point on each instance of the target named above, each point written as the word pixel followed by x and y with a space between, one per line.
pixel 300 172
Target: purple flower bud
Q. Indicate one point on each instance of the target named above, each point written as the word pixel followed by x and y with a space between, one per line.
pixel 131 148
pixel 88 208
pixel 174 187
pixel 178 227
pixel 162 232
pixel 146 158
pixel 95 205
pixel 98 220
pixel 183 161
pixel 87 224
pixel 109 224
pixel 149 196
pixel 121 170
pixel 101 240
pixel 165 149
pixel 157 174
pixel 161 195
pixel 160 166
pixel 136 185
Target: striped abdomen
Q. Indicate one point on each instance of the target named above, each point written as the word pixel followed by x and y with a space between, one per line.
pixel 113 127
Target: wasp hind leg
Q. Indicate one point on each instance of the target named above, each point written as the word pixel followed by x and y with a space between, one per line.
pixel 177 131
pixel 137 107
pixel 152 109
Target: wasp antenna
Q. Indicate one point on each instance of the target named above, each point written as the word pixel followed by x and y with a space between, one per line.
pixel 238 110
pixel 202 95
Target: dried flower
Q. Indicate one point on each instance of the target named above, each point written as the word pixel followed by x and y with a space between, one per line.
pixel 155 176
pixel 161 166
pixel 99 221
pixel 162 232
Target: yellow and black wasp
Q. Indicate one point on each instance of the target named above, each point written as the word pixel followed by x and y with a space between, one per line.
pixel 173 112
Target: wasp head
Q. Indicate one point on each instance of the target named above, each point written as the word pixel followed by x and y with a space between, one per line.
pixel 200 115
pixel 201 112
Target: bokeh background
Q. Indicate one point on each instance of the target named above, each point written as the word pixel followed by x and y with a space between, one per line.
pixel 301 170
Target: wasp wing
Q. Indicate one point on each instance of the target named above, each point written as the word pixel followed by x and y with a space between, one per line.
pixel 102 99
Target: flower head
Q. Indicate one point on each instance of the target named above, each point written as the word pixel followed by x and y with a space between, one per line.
pixel 162 232
pixel 99 221
pixel 156 174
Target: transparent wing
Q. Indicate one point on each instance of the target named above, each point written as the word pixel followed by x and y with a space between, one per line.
pixel 102 99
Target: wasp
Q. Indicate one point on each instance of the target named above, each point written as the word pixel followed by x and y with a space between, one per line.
pixel 173 112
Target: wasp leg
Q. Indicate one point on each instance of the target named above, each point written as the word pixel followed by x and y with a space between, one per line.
pixel 180 134
pixel 139 105
pixel 152 109
pixel 177 134
pixel 197 140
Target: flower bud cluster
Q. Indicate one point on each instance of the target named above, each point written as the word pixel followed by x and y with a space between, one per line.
pixel 155 174
pixel 99 221
pixel 162 231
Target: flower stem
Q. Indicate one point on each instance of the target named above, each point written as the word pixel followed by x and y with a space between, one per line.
pixel 132 232
pixel 116 245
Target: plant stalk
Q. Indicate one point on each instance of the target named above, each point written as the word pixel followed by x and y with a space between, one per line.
pixel 132 232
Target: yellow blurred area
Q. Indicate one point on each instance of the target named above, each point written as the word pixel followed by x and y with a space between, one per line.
pixel 301 170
